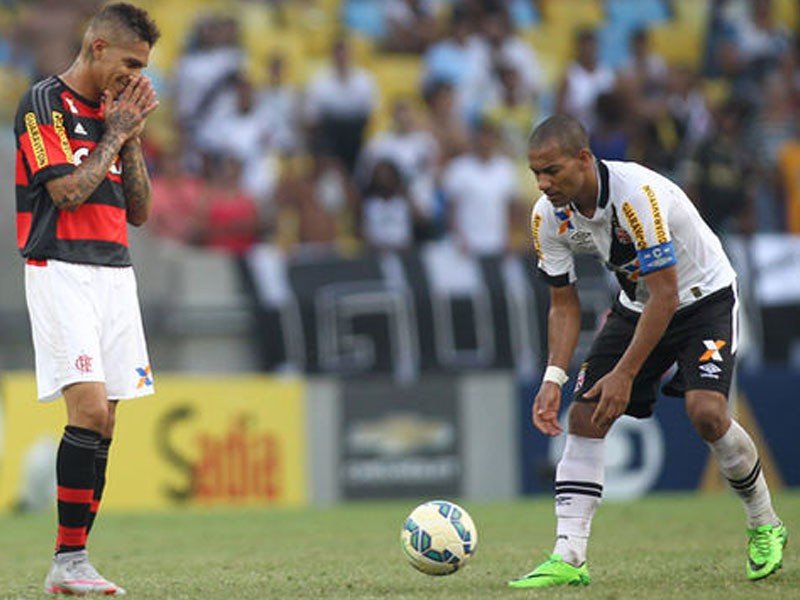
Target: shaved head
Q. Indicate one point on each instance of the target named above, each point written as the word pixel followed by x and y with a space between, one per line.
pixel 567 132
pixel 121 21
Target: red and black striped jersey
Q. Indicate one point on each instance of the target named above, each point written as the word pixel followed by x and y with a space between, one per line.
pixel 55 130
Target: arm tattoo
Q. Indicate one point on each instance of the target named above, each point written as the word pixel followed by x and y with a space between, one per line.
pixel 135 183
pixel 89 174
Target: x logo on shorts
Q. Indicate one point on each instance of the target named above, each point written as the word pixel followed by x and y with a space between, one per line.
pixel 712 350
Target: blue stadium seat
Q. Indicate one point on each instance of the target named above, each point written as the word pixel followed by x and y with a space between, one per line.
pixel 366 17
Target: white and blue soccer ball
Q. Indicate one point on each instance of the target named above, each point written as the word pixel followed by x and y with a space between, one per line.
pixel 439 537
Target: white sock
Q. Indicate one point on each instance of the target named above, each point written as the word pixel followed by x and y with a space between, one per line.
pixel 739 464
pixel 579 488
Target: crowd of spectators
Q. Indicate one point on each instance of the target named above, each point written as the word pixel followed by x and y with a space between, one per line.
pixel 300 163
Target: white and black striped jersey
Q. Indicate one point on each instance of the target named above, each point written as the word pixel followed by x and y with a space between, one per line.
pixel 643 223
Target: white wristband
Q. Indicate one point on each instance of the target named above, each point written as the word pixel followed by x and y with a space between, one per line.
pixel 555 374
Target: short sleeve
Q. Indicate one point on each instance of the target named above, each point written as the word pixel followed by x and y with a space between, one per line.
pixel 645 218
pixel 42 138
pixel 452 181
pixel 555 262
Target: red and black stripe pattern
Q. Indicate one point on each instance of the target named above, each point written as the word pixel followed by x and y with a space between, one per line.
pixel 56 129
pixel 75 473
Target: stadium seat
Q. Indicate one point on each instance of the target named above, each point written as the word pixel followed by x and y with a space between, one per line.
pixel 788 13
pixel 553 49
pixel 681 40
pixel 398 75
pixel 367 17
pixel 633 15
pixel 569 16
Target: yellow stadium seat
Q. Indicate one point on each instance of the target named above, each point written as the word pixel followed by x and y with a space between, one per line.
pixel 554 49
pixel 678 43
pixel 568 15
pixel 175 26
pixel 398 76
pixel 284 41
pixel 691 14
pixel 787 12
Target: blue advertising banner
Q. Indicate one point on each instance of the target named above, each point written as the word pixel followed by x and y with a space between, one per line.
pixel 771 396
pixel 659 453
pixel 664 452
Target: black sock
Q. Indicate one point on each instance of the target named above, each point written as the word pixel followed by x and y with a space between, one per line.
pixel 75 474
pixel 100 464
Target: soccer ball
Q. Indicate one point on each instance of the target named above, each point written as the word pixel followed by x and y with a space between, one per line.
pixel 438 537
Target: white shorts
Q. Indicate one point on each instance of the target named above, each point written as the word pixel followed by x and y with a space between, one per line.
pixel 87 326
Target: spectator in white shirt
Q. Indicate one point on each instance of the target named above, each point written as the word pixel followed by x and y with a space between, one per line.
pixel 462 59
pixel 213 57
pixel 340 100
pixel 278 103
pixel 236 128
pixel 645 73
pixel 508 49
pixel 480 189
pixel 584 80
pixel 414 150
pixel 387 214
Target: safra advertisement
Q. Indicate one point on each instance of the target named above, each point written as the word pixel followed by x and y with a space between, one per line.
pixel 199 441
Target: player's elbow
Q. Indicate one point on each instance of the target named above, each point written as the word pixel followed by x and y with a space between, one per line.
pixel 137 214
pixel 137 220
pixel 64 193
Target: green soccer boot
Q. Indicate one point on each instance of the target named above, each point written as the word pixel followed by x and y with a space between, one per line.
pixel 553 572
pixel 765 550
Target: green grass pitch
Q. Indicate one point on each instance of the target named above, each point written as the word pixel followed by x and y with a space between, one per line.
pixel 665 546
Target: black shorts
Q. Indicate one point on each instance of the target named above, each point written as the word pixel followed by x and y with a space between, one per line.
pixel 700 338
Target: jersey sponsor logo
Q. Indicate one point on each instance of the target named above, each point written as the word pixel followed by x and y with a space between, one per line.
pixel 37 142
pixel 712 350
pixel 537 242
pixel 657 257
pixel 84 363
pixel 145 377
pixel 61 132
pixel 661 234
pixel 565 216
pixel 81 153
pixel 709 371
pixel 635 224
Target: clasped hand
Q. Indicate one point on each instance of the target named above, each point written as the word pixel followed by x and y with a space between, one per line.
pixel 125 115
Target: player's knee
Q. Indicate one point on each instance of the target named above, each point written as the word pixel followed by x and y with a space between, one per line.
pixel 87 407
pixel 94 417
pixel 708 413
pixel 580 420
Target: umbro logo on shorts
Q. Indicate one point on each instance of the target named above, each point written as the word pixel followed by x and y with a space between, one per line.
pixel 709 371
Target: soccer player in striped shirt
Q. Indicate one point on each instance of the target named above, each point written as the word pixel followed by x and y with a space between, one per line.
pixel 80 180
